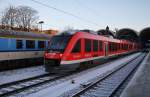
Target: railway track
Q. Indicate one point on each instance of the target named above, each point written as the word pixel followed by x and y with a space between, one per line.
pixel 108 85
pixel 21 85
pixel 17 87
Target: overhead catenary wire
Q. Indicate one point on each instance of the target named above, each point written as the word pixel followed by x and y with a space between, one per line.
pixel 84 5
pixel 65 12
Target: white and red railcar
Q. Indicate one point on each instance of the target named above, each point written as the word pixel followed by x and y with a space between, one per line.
pixel 71 51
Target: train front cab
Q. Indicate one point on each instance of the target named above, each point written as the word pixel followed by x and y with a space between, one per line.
pixel 80 49
pixel 55 51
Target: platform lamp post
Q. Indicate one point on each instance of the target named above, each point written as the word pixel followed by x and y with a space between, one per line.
pixel 41 22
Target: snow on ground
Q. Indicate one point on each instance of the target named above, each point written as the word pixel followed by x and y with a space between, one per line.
pixel 139 84
pixel 14 75
pixel 59 89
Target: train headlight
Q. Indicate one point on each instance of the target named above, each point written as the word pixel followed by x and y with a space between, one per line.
pixel 46 55
pixel 60 55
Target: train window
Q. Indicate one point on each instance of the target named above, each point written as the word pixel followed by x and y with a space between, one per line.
pixel 19 44
pixel 130 46
pixel 95 45
pixel 116 46
pixel 77 47
pixel 126 46
pixel 59 43
pixel 111 46
pixel 122 47
pixel 101 45
pixel 30 44
pixel 41 44
pixel 87 45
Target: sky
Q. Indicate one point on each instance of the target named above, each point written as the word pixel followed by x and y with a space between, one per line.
pixel 92 14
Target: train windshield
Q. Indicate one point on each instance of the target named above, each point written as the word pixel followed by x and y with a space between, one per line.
pixel 58 43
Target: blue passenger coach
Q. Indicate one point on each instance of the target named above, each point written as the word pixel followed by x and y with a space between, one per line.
pixel 21 49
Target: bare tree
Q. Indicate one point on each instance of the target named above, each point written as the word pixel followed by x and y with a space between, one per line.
pixel 1 20
pixel 69 28
pixel 116 31
pixel 27 17
pixel 22 17
pixel 8 17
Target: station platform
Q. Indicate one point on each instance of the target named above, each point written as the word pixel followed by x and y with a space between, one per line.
pixel 139 86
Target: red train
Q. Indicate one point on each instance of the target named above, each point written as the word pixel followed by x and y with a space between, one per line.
pixel 71 51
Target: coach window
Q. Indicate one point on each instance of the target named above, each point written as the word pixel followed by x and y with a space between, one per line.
pixel 95 45
pixel 77 47
pixel 113 46
pixel 121 46
pixel 110 46
pixel 19 44
pixel 130 46
pixel 118 46
pixel 87 45
pixel 101 45
pixel 125 46
pixel 41 44
pixel 30 44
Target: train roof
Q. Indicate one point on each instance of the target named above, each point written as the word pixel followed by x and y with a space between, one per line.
pixel 72 32
pixel 92 34
pixel 19 34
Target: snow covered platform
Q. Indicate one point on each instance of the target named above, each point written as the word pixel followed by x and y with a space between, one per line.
pixel 139 86
pixel 81 78
pixel 19 74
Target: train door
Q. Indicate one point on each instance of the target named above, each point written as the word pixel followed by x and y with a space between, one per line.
pixel 106 48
